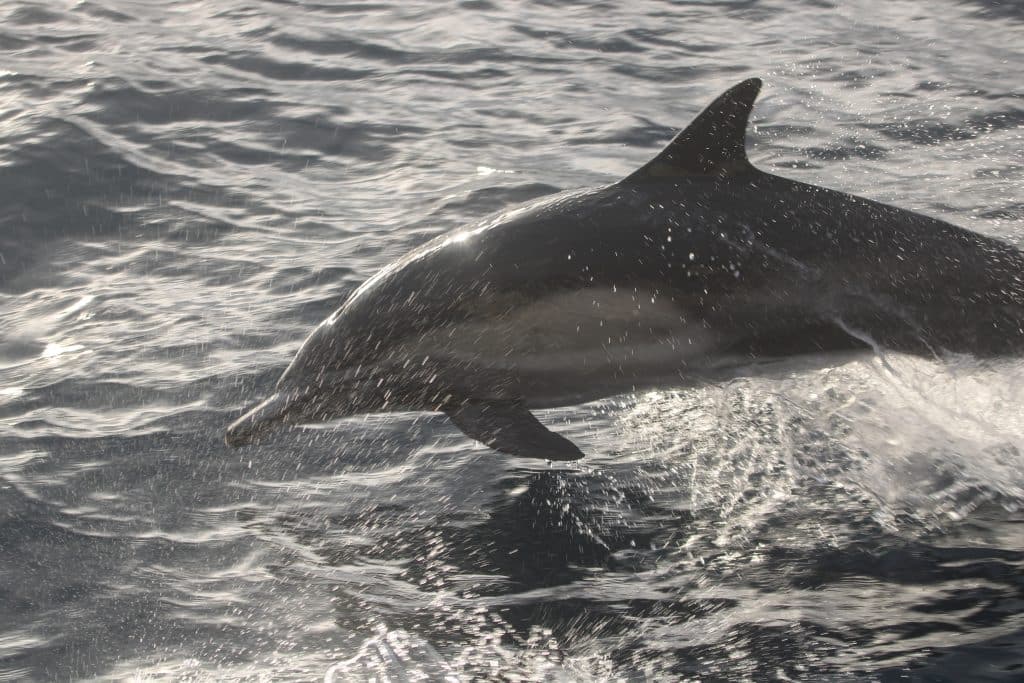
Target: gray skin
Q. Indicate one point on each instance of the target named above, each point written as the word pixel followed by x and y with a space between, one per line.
pixel 695 267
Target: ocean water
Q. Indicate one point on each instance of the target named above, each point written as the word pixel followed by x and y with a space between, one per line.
pixel 186 188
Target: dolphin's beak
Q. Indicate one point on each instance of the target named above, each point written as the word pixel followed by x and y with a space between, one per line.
pixel 281 407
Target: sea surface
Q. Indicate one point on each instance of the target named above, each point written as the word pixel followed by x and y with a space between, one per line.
pixel 186 188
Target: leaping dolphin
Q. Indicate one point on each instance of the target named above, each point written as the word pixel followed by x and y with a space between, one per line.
pixel 695 265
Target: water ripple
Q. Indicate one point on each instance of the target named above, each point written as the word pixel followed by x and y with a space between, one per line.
pixel 188 187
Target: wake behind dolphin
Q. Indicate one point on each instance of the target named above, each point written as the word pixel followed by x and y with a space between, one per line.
pixel 694 267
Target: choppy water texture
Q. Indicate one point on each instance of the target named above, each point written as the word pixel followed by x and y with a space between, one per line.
pixel 187 187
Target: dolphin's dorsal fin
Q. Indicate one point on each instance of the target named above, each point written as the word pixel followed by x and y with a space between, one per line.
pixel 714 144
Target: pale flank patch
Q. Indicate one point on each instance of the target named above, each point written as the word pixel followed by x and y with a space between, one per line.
pixel 578 342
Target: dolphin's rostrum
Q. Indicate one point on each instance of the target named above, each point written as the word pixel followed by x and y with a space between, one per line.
pixel 695 266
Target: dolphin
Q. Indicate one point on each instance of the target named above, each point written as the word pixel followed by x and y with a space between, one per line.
pixel 695 267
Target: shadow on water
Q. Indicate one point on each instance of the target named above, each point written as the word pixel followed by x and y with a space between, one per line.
pixel 605 567
pixel 549 534
pixel 997 9
pixel 990 661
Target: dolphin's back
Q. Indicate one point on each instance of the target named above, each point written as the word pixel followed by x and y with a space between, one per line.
pixel 912 282
pixel 774 266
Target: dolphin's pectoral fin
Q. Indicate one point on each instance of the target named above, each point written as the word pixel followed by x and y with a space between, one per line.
pixel 714 144
pixel 507 426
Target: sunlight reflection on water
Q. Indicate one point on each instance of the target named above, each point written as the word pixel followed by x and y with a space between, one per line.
pixel 189 187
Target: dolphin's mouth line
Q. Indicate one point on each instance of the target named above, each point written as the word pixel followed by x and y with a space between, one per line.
pixel 281 407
